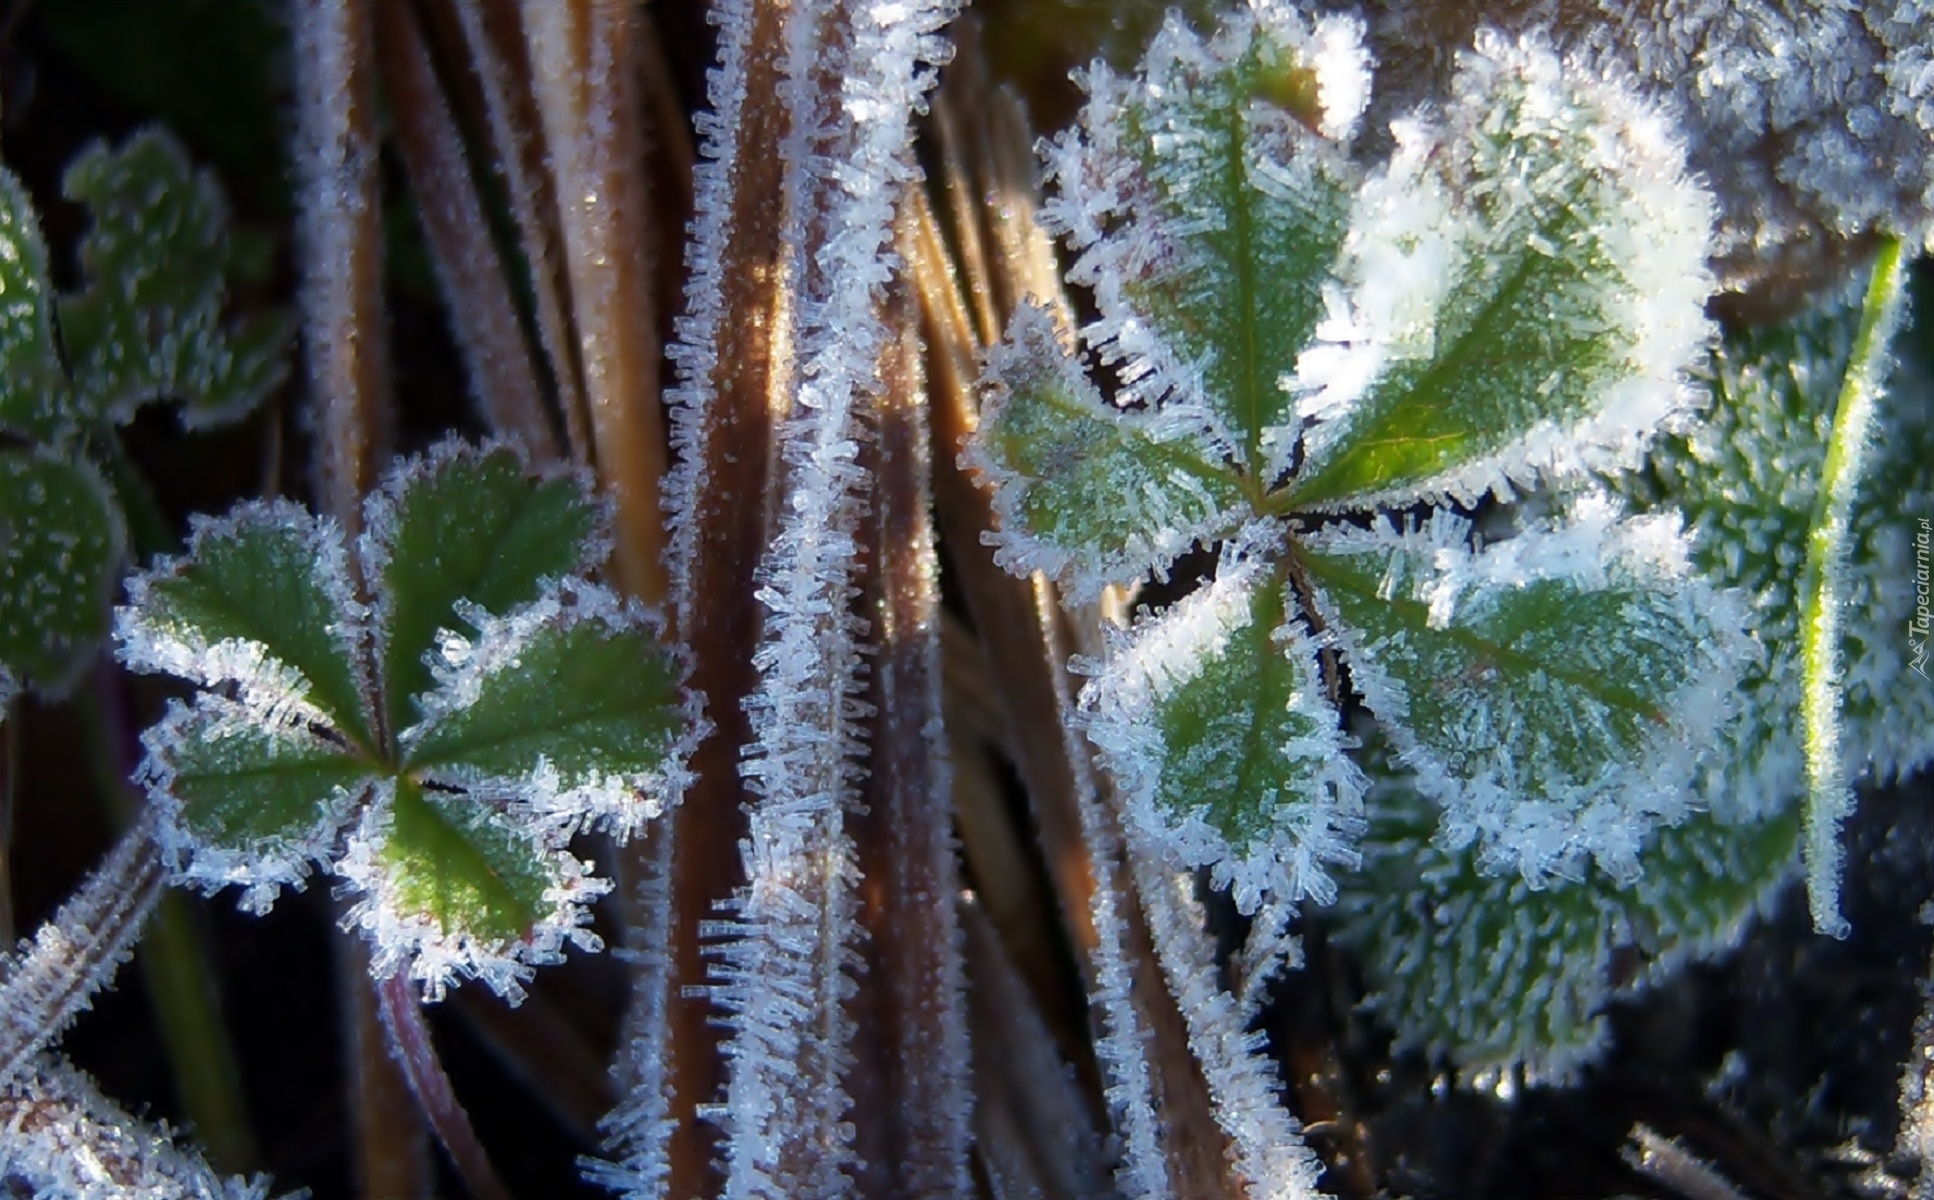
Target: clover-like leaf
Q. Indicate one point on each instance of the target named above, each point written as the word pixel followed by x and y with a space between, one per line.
pixel 1500 973
pixel 453 887
pixel 1555 692
pixel 463 524
pixel 32 385
pixel 1085 492
pixel 248 801
pixel 570 703
pixel 149 323
pixel 1523 288
pixel 60 547
pixel 1221 179
pixel 1213 723
pixel 262 599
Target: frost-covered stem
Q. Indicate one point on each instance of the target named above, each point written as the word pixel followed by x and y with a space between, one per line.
pixel 64 1140
pixel 1035 1130
pixel 341 239
pixel 584 62
pixel 1267 1141
pixel 638 1132
pixel 50 977
pixel 1667 1163
pixel 906 837
pixel 483 314
pixel 1823 587
pixel 852 73
pixel 408 1037
pixel 172 953
pixel 507 116
pixel 1915 1141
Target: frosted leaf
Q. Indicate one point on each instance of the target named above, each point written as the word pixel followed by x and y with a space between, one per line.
pixel 455 889
pixel 1085 492
pixel 1209 198
pixel 61 542
pixel 1522 287
pixel 1555 692
pixel 261 599
pixel 149 323
pixel 1212 721
pixel 33 389
pixel 571 703
pixel 471 524
pixel 1498 973
pixel 245 801
pixel 66 1141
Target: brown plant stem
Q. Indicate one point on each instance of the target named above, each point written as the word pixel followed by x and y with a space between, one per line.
pixel 408 1038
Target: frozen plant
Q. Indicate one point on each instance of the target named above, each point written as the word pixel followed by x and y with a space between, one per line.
pixel 437 748
pixel 147 325
pixel 1511 299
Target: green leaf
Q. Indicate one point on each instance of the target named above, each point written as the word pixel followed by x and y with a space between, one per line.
pixel 149 324
pixel 1499 973
pixel 455 863
pixel 1085 492
pixel 261 599
pixel 61 543
pixel 1525 290
pixel 1226 166
pixel 1555 692
pixel 570 703
pixel 1213 723
pixel 464 524
pixel 33 388
pixel 246 800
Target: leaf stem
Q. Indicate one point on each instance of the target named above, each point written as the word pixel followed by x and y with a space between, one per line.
pixel 410 1045
pixel 1829 794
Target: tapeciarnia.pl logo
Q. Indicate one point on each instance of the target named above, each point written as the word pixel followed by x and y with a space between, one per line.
pixel 1917 625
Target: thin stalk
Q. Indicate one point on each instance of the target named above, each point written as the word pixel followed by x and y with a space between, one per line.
pixel 1823 591
pixel 584 61
pixel 172 955
pixel 392 1149
pixel 483 312
pixel 341 240
pixel 409 1042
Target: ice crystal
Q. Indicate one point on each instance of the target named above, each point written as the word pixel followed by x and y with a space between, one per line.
pixel 1534 968
pixel 437 751
pixel 1512 298
pixel 851 74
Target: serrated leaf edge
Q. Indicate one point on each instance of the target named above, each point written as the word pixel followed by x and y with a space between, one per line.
pixel 261 869
pixel 436 959
pixel 267 685
pixel 1591 547
pixel 1117 711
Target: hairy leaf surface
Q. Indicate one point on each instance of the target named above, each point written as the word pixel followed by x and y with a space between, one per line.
pixel 1554 691
pixel 33 401
pixel 149 324
pixel 1524 289
pixel 60 546
pixel 1086 492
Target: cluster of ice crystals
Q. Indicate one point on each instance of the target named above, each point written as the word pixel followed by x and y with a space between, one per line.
pixel 61 1139
pixel 853 73
pixel 1182 757
pixel 1538 175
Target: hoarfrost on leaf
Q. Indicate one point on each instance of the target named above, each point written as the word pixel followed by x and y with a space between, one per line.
pixel 1555 691
pixel 1521 292
pixel 1212 721
pixel 61 542
pixel 550 711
